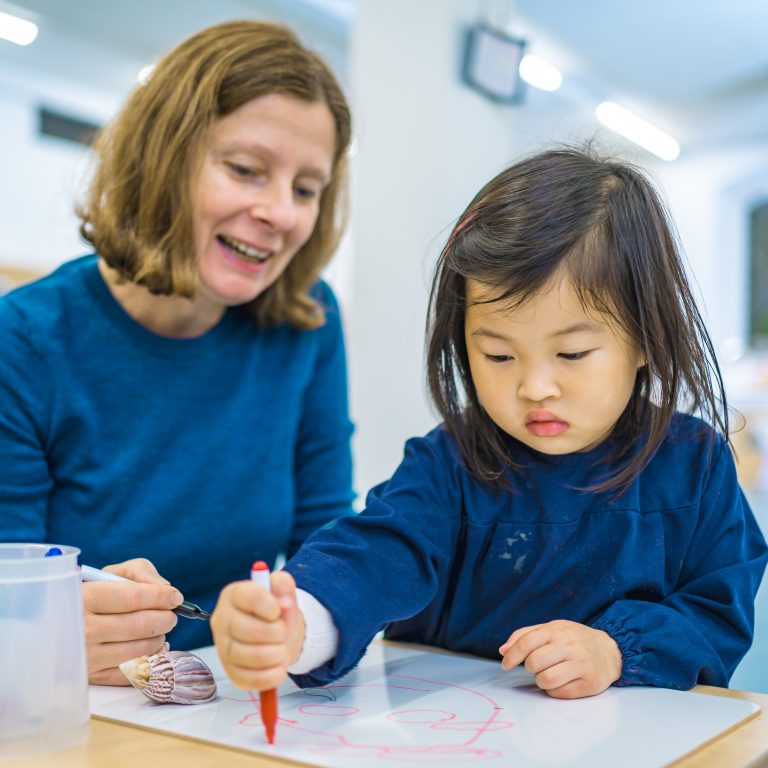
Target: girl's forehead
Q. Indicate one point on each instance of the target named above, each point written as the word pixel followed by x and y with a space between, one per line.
pixel 497 299
pixel 556 303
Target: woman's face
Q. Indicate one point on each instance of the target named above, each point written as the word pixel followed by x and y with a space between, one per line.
pixel 256 197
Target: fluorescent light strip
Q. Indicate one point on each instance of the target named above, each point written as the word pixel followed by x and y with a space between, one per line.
pixel 16 30
pixel 634 128
pixel 539 73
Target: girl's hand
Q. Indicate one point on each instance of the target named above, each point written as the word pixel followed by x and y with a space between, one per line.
pixel 258 634
pixel 126 620
pixel 569 660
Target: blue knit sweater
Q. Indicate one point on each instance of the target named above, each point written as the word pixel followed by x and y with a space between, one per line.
pixel 200 454
pixel 669 569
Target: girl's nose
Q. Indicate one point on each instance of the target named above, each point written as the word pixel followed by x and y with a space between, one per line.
pixel 276 206
pixel 537 384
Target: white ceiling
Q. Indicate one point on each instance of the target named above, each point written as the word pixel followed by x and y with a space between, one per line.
pixel 104 43
pixel 698 67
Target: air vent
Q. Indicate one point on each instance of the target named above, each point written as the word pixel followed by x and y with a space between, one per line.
pixel 65 127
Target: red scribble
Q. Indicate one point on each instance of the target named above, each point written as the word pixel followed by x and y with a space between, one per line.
pixel 432 721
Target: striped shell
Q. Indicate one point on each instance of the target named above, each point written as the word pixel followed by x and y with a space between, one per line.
pixel 171 677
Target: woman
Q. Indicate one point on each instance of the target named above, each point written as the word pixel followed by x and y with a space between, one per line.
pixel 176 403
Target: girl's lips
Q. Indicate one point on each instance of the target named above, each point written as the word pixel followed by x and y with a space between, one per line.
pixel 546 428
pixel 545 424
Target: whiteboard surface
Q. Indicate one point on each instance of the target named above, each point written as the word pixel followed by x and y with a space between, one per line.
pixel 410 707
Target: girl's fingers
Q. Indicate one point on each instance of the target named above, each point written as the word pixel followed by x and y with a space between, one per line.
pixel 544 657
pixel 516 635
pixel 255 679
pixel 251 598
pixel 575 689
pixel 246 628
pixel 257 657
pixel 557 675
pixel 517 650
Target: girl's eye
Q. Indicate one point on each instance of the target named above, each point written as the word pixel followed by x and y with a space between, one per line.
pixel 574 355
pixel 499 358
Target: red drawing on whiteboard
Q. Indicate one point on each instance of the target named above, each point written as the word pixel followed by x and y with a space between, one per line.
pixel 415 734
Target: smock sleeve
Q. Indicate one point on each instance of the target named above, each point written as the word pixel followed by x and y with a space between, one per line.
pixel 25 399
pixel 323 459
pixel 699 632
pixel 384 564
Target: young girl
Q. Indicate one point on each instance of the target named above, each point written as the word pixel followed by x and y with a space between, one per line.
pixel 565 515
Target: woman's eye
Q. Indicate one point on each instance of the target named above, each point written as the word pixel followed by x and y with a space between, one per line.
pixel 499 358
pixel 574 355
pixel 306 193
pixel 241 170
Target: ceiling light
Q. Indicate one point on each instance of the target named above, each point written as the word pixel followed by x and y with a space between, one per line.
pixel 16 30
pixel 539 73
pixel 634 128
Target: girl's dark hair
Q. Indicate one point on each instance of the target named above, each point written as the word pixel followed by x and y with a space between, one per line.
pixel 138 212
pixel 600 222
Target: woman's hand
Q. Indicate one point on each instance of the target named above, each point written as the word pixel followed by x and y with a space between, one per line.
pixel 126 620
pixel 569 660
pixel 258 634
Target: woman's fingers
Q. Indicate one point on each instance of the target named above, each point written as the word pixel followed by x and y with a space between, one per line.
pixel 112 628
pixel 138 569
pixel 105 658
pixel 124 620
pixel 106 597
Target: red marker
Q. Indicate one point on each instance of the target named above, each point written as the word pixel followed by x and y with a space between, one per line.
pixel 267 699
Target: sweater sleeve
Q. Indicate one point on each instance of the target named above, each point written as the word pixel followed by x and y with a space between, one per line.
pixel 700 631
pixel 323 457
pixel 25 397
pixel 384 564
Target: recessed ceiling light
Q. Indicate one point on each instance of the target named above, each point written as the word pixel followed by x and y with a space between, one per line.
pixel 16 30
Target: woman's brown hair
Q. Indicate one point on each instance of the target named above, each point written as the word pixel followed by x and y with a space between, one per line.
pixel 137 213
pixel 601 222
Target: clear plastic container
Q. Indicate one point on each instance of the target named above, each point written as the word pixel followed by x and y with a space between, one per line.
pixel 43 673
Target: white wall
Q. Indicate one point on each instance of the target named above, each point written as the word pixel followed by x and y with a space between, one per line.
pixel 710 194
pixel 42 176
pixel 425 145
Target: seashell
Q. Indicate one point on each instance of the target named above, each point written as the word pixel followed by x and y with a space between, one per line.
pixel 171 677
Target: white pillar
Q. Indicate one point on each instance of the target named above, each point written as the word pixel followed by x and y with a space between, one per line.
pixel 425 145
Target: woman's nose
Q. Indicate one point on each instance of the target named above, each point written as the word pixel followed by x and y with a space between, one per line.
pixel 276 205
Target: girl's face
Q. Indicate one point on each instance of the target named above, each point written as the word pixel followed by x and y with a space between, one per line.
pixel 548 373
pixel 256 197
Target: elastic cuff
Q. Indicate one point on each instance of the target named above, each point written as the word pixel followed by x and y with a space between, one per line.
pixel 631 673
